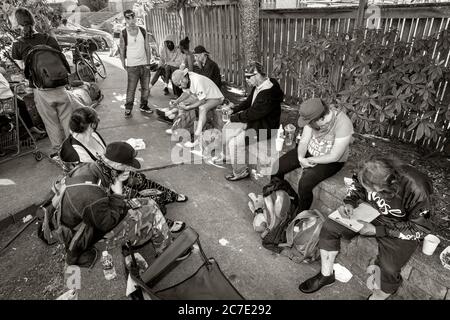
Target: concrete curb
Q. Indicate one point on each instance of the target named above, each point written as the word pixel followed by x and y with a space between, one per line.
pixel 16 217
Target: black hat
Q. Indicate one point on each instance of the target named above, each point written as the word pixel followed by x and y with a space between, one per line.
pixel 122 153
pixel 200 49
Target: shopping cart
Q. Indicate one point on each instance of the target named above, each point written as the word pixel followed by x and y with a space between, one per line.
pixel 13 140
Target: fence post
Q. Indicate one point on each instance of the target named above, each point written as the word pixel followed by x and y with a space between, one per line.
pixel 360 15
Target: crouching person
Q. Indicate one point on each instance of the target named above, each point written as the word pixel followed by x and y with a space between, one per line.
pixel 93 202
pixel 401 194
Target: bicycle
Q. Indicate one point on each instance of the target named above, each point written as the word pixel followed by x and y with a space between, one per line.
pixel 86 60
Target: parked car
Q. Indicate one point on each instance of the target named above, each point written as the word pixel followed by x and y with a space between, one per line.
pixel 68 34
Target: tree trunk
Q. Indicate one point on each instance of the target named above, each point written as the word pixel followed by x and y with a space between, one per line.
pixel 249 11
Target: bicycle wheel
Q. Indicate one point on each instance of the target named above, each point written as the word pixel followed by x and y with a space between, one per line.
pixel 99 66
pixel 84 71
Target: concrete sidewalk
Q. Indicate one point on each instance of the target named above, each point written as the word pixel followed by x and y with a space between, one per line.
pixel 217 209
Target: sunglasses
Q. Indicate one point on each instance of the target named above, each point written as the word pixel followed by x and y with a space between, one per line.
pixel 248 76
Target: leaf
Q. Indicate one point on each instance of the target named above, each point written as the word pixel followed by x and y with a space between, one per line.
pixel 419 131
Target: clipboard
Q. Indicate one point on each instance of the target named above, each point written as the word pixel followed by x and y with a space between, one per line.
pixel 364 212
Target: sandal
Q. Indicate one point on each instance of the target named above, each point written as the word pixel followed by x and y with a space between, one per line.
pixel 181 198
pixel 235 177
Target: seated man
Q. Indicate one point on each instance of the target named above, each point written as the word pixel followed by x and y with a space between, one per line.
pixel 171 58
pixel 207 67
pixel 199 92
pixel 260 111
pixel 402 195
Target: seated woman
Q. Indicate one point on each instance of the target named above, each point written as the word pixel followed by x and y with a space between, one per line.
pixel 85 144
pixel 322 150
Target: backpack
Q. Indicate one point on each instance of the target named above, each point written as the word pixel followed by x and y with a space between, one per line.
pixel 125 38
pixel 50 228
pixel 46 67
pixel 281 202
pixel 302 237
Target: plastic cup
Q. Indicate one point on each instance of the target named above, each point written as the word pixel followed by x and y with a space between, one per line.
pixel 279 144
pixel 289 131
pixel 430 243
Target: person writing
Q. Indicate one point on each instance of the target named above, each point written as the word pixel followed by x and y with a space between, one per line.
pixel 401 194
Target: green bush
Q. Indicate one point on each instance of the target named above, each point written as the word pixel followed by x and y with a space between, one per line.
pixel 380 81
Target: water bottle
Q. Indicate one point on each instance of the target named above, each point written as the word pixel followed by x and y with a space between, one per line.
pixel 108 267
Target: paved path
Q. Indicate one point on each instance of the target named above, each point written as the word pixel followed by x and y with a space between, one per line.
pixel 217 209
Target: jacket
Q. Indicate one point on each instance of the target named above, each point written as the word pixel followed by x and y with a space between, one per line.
pixel 99 209
pixel 265 111
pixel 407 214
pixel 211 70
pixel 172 58
pixel 123 44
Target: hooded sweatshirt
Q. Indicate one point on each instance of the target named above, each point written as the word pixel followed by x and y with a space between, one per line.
pixel 172 58
pixel 263 110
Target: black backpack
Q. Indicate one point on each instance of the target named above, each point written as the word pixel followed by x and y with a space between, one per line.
pixel 46 67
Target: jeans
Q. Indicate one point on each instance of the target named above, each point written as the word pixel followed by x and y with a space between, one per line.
pixel 310 178
pixel 233 138
pixel 393 253
pixel 166 73
pixel 137 74
pixel 55 107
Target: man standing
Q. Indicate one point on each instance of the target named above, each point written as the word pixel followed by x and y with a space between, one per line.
pixel 135 55
pixel 207 67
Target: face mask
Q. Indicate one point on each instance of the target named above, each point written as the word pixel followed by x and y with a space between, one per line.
pixel 170 45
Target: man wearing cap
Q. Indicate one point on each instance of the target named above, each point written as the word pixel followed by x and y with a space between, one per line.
pixel 135 55
pixel 259 112
pixel 322 150
pixel 199 92
pixel 93 202
pixel 207 67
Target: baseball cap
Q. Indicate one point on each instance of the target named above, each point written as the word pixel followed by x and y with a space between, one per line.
pixel 121 153
pixel 310 110
pixel 178 75
pixel 200 49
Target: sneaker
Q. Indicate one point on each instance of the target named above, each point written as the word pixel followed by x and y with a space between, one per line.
pixel 316 283
pixel 235 177
pixel 166 91
pixel 146 109
pixel 169 131
pixel 128 113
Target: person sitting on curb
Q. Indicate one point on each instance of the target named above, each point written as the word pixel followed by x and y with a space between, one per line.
pixel 260 111
pixel 171 58
pixel 101 205
pixel 401 194
pixel 199 92
pixel 322 151
pixel 85 144
pixel 206 66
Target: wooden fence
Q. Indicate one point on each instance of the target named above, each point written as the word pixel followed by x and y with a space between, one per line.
pixel 218 27
pixel 281 28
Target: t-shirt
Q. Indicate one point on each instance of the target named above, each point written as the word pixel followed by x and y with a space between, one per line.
pixel 203 87
pixel 5 90
pixel 321 143
pixel 136 54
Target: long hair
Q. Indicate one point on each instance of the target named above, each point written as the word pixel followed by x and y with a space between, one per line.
pixel 26 20
pixel 383 172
